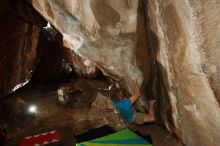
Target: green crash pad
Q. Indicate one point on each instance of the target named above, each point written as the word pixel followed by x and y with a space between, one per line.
pixel 124 137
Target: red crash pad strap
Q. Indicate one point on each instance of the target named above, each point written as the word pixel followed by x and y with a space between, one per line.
pixel 40 139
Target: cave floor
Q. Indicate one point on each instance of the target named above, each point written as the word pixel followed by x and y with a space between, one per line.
pixel 51 115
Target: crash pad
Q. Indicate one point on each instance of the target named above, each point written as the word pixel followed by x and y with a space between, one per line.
pixel 124 137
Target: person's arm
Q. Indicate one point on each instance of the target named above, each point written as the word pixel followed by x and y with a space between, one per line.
pixel 136 92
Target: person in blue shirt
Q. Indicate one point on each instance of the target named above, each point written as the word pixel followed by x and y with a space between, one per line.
pixel 125 107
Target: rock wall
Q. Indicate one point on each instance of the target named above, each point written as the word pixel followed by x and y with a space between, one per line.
pixel 186 40
pixel 110 34
pixel 123 40
pixel 20 29
pixel 17 52
pixel 82 67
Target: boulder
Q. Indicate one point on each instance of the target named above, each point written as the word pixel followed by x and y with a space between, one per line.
pixel 174 39
pixel 18 52
pixel 77 94
pixel 101 106
pixel 82 67
pixel 185 36
pixel 109 34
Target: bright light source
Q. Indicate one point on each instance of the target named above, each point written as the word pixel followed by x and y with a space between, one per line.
pixel 32 109
pixel 48 26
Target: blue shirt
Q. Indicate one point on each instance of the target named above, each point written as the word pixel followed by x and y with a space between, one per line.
pixel 126 109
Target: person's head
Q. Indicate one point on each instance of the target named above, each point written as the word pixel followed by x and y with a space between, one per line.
pixel 117 96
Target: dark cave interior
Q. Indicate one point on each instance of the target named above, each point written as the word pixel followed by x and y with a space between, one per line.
pixel 62 64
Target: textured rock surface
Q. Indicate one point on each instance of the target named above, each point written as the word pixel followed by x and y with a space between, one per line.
pixel 17 52
pixel 108 33
pixel 104 104
pixel 51 115
pixel 58 63
pixel 83 67
pixel 186 36
pixel 24 11
pixel 77 93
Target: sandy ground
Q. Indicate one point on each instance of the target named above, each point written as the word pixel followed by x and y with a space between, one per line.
pixel 51 115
